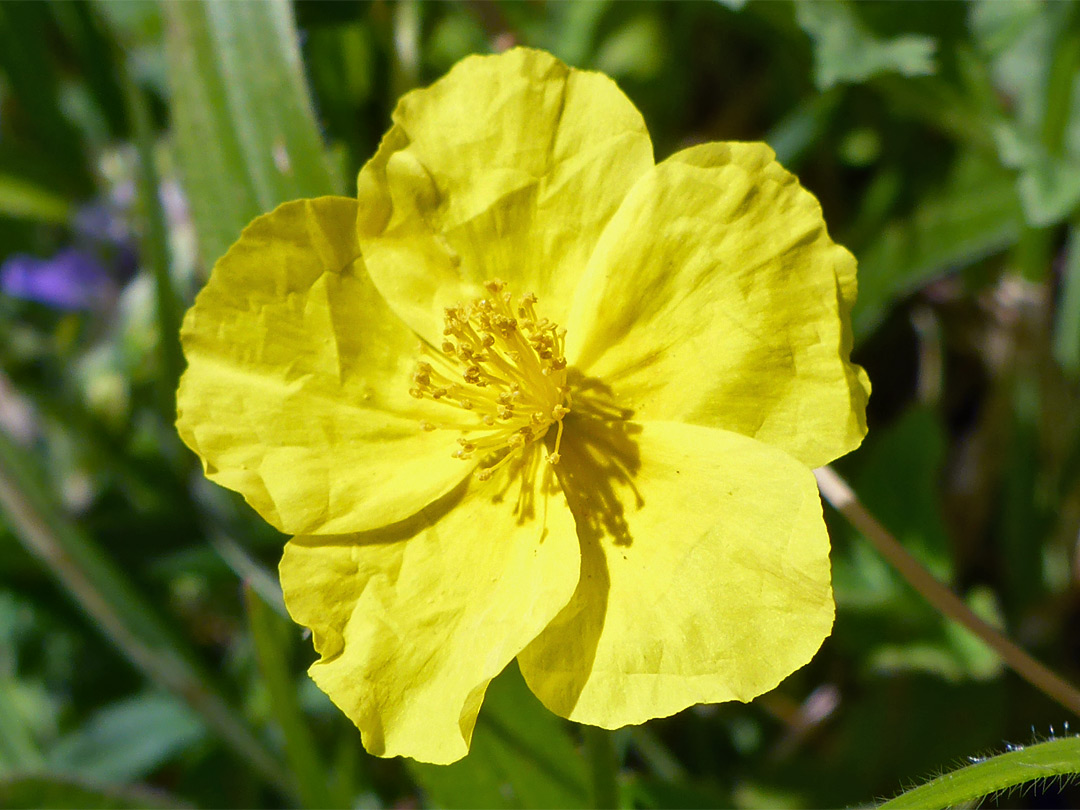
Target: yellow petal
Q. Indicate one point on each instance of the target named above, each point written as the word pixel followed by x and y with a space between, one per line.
pixel 413 621
pixel 704 574
pixel 296 391
pixel 509 167
pixel 716 297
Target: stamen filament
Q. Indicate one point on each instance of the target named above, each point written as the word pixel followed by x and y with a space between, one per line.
pixel 504 367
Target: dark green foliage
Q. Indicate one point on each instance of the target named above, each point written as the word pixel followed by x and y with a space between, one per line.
pixel 144 660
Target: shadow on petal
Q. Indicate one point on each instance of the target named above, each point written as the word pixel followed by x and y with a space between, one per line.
pixel 600 459
pixel 600 462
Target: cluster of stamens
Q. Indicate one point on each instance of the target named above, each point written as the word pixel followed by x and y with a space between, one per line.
pixel 503 369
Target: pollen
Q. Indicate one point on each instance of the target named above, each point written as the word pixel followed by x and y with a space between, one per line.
pixel 501 370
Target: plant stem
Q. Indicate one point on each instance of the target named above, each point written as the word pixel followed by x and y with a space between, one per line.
pixel 837 492
pixel 603 767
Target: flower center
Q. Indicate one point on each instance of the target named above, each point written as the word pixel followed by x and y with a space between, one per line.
pixel 502 370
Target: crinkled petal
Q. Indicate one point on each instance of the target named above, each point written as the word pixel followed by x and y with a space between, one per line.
pixel 412 621
pixel 296 391
pixel 716 297
pixel 509 167
pixel 704 574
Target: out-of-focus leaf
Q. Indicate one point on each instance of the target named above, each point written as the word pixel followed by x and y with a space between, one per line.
pixel 245 130
pixel 1018 40
pixel 272 654
pixel 1067 321
pixel 18 750
pixel 976 214
pixel 655 793
pixel 1022 517
pixel 101 589
pixel 845 51
pixel 128 740
pixel 797 131
pixel 568 30
pixel 910 450
pixel 90 41
pixel 31 75
pixel 23 199
pixel 907 635
pixel 996 26
pixel 946 649
pixel 521 756
pixel 60 792
pixel 635 49
pixel 1048 186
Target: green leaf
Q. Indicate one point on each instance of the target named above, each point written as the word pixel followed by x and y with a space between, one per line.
pixel 1044 760
pixel 18 749
pixel 128 740
pixel 24 199
pixel 798 131
pixel 1048 185
pixel 975 214
pixel 32 80
pixel 245 129
pixel 521 756
pixel 272 653
pixel 902 633
pixel 1067 320
pixel 59 792
pixel 996 26
pixel 155 243
pixel 634 50
pixel 845 51
pixel 115 607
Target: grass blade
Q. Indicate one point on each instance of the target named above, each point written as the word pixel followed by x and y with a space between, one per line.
pixel 116 609
pixel 299 746
pixel 245 129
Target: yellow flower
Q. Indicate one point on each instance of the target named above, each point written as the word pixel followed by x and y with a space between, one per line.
pixel 533 395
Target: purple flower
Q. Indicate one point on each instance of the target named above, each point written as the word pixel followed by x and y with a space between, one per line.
pixel 70 280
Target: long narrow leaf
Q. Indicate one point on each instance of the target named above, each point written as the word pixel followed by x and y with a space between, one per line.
pixel 299 744
pixel 118 611
pixel 245 129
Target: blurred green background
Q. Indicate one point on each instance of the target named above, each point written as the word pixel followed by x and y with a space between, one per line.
pixel 145 656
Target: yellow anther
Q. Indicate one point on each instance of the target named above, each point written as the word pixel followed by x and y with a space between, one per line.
pixel 502 366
